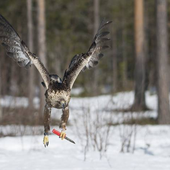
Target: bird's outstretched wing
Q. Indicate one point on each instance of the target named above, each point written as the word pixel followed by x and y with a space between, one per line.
pixel 87 60
pixel 17 50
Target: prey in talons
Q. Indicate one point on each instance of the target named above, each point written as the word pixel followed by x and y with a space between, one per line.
pixel 65 137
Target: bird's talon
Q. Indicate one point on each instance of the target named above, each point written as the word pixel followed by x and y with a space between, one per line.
pixel 62 135
pixel 46 140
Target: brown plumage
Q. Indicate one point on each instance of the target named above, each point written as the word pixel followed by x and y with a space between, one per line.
pixel 57 90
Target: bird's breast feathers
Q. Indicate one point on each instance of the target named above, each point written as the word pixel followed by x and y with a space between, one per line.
pixel 54 98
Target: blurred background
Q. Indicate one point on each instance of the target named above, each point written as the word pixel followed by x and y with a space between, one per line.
pixel 122 105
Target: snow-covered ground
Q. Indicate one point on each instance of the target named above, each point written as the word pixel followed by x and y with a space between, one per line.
pixel 151 144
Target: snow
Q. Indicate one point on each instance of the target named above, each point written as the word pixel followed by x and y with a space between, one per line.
pixel 28 153
pixel 151 142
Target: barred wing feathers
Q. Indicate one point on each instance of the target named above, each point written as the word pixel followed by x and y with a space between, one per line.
pixel 12 43
pixel 17 50
pixel 87 60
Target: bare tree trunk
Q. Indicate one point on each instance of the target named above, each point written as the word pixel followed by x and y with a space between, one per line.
pixel 162 63
pixel 41 46
pixel 124 73
pixel 96 15
pixel 114 48
pixel 1 69
pixel 96 25
pixel 139 101
pixel 30 44
pixel 146 47
pixel 1 114
pixel 124 45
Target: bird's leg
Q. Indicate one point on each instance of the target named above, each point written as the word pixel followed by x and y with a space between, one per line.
pixel 47 114
pixel 64 119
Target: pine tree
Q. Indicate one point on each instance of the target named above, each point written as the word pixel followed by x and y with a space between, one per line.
pixel 162 63
pixel 30 44
pixel 41 45
pixel 139 101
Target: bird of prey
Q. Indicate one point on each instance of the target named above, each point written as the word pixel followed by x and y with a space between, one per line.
pixel 58 90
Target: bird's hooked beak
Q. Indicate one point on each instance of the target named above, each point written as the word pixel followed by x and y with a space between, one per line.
pixel 63 104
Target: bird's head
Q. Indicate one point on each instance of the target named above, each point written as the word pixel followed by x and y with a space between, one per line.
pixel 55 78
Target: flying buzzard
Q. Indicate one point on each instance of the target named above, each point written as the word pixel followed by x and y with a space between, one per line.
pixel 57 90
